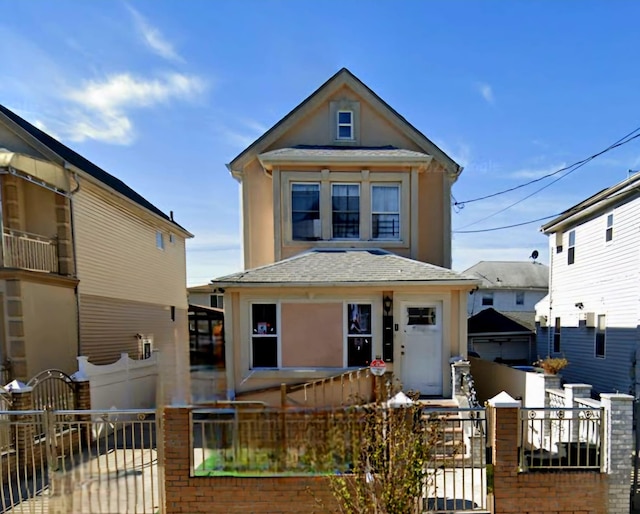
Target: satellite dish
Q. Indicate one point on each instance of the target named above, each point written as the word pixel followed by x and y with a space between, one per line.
pixel 534 255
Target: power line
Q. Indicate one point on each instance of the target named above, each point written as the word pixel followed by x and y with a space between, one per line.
pixel 622 141
pixel 505 226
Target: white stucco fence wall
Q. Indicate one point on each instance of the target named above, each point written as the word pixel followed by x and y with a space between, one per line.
pixel 125 384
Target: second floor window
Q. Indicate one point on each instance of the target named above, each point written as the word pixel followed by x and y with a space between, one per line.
pixel 609 233
pixel 385 211
pixel 519 297
pixel 345 206
pixel 487 299
pixel 305 212
pixel 571 254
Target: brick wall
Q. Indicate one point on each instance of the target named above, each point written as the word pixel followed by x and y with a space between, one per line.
pixel 263 495
pixel 570 492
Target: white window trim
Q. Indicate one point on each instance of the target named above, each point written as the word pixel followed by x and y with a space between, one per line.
pixel 398 186
pixel 359 186
pixel 278 335
pixel 571 246
pixel 350 125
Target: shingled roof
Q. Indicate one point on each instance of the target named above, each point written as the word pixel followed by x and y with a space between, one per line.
pixel 77 160
pixel 321 267
pixel 510 274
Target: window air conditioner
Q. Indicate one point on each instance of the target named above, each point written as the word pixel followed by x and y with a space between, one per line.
pixel 590 319
pixel 542 320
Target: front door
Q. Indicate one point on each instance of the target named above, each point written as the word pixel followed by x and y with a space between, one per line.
pixel 422 348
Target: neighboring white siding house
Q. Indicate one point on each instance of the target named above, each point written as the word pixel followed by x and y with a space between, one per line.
pixel 591 313
pixel 508 286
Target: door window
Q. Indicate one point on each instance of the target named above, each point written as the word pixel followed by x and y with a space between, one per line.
pixel 421 316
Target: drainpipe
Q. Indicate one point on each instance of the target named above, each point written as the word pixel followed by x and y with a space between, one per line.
pixel 73 247
pixel 551 327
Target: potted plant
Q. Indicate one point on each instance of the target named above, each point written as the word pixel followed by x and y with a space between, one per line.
pixel 552 365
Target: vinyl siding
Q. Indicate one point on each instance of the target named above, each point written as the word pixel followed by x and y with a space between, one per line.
pixel 504 300
pixel 605 280
pixel 109 327
pixel 117 255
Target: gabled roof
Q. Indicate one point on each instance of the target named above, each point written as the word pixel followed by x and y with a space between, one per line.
pixel 342 77
pixel 326 267
pixel 490 321
pixel 618 194
pixel 510 274
pixel 77 160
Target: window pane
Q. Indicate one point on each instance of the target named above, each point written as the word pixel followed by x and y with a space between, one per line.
pixel 610 220
pixel 520 298
pixel 305 197
pixel 487 299
pixel 386 226
pixel 265 352
pixel 344 132
pixel 571 255
pixel 359 318
pixel 385 199
pixel 344 117
pixel 358 351
pixel 264 318
pixel 572 238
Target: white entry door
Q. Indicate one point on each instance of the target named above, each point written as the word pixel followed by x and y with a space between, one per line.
pixel 422 348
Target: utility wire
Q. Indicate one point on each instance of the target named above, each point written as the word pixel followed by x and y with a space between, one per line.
pixel 622 141
pixel 505 226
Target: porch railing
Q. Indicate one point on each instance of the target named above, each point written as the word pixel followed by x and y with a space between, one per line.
pixel 561 438
pixel 30 251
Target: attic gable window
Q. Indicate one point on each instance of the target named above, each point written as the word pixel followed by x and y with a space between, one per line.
pixel 345 125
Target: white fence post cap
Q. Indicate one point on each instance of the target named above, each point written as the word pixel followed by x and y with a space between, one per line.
pixel 504 399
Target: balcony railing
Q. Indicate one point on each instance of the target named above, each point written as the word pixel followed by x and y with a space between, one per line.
pixel 30 251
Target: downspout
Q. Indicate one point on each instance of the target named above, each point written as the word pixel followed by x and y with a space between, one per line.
pixel 551 331
pixel 75 259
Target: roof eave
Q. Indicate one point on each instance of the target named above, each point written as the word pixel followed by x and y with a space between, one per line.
pixel 470 284
pixel 268 162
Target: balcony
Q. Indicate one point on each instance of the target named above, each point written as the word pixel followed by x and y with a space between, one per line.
pixel 30 251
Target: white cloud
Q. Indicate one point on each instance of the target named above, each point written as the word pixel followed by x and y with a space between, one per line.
pixel 533 173
pixel 486 91
pixel 153 38
pixel 246 132
pixel 101 108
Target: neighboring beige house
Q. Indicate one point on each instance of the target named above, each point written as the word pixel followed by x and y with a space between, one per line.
pixel 347 244
pixel 89 266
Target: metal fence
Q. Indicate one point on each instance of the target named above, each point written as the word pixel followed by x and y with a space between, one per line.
pixel 262 442
pixel 30 251
pixel 561 438
pixel 86 462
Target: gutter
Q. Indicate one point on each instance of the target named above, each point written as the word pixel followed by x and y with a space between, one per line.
pixel 463 284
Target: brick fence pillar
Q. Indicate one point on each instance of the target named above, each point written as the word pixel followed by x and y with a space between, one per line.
pixel 618 420
pixel 504 412
pixel 176 449
pixel 25 424
pixel 83 402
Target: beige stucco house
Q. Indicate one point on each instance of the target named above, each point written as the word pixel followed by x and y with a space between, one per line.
pixel 347 248
pixel 88 265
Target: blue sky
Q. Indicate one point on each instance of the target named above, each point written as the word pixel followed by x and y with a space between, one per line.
pixel 163 93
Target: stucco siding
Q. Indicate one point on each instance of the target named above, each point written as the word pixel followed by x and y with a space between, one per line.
pixel 430 212
pixel 257 204
pixel 117 255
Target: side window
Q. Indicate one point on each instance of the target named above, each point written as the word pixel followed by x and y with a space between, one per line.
pixel 358 335
pixel 264 335
pixel 519 297
pixel 571 254
pixel 557 328
pixel 487 299
pixel 159 240
pixel 601 336
pixel 305 212
pixel 609 232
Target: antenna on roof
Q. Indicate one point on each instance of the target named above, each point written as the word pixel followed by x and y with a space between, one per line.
pixel 534 255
